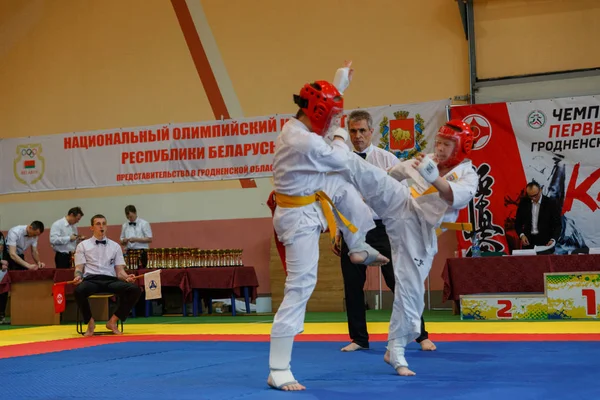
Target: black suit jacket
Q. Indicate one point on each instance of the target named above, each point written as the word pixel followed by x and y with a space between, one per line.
pixel 549 221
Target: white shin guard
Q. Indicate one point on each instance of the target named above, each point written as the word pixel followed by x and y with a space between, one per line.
pixel 280 357
pixel 396 348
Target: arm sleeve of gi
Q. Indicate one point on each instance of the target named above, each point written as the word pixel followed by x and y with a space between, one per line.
pixel 464 189
pixel 329 158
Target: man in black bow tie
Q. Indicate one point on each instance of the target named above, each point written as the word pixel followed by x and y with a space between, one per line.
pixel 360 127
pixel 100 268
pixel 136 234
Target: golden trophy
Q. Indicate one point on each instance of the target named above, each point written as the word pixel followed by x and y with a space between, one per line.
pixel 200 258
pixel 239 260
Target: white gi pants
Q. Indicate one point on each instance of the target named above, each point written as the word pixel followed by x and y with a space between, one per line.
pixel 302 251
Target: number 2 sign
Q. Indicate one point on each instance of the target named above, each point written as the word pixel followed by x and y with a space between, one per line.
pixel 505 311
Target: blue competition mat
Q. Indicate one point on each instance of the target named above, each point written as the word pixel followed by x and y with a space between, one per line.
pixel 234 370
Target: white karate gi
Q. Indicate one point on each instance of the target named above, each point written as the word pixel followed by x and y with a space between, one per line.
pixel 410 223
pixel 302 165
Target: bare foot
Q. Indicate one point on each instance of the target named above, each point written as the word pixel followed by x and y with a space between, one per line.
pixel 427 345
pixel 112 326
pixel 402 371
pixel 90 329
pixel 360 257
pixel 353 347
pixel 292 387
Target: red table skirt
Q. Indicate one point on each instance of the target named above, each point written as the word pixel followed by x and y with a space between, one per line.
pixel 510 273
pixel 213 278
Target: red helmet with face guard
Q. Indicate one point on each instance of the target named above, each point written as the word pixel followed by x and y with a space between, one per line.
pixel 462 135
pixel 321 102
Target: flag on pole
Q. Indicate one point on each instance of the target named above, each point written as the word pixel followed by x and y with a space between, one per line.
pixel 152 285
pixel 58 292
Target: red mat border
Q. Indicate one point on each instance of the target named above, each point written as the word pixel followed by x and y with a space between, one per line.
pixel 28 349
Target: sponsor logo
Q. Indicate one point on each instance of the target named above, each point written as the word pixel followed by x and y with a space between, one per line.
pixel 536 119
pixel 29 165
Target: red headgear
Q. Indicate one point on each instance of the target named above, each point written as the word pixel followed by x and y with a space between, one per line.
pixel 462 135
pixel 321 102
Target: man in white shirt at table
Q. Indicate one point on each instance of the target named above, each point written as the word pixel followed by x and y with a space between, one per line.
pixel 136 234
pixel 19 239
pixel 64 237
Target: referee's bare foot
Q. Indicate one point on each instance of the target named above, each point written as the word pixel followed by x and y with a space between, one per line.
pixel 112 325
pixel 353 347
pixel 428 345
pixel 90 329
pixel 292 387
pixel 402 371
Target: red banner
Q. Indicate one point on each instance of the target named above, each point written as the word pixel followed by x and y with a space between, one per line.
pixel 501 178
pixel 553 142
pixel 58 292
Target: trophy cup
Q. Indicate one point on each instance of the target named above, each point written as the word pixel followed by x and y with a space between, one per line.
pixel 239 258
pixel 151 253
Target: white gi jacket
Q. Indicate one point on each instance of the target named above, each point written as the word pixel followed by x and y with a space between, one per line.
pixel 300 166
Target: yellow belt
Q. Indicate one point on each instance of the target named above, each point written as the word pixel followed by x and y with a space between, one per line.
pixel 329 209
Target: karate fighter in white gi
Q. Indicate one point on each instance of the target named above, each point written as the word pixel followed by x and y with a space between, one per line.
pixel 412 206
pixel 303 165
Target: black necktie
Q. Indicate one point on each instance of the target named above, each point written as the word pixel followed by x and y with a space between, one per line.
pixel 363 155
pixel 132 223
pixel 101 242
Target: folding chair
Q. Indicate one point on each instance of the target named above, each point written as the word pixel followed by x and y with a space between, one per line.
pixel 79 323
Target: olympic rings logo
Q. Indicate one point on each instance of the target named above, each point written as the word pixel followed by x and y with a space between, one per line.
pixel 29 152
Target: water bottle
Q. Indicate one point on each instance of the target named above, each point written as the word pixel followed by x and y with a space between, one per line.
pixel 476 250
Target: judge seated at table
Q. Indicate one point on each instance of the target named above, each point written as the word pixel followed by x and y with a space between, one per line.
pixel 100 268
pixel 538 221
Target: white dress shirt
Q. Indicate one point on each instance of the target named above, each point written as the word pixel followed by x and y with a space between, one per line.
pixel 60 236
pixel 141 229
pixel 98 258
pixel 535 214
pixel 17 236
pixel 380 158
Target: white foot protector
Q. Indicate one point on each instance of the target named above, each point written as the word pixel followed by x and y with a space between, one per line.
pixel 372 254
pixel 402 171
pixel 428 169
pixel 281 379
pixel 279 362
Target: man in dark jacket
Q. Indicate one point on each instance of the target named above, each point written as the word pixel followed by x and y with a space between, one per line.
pixel 538 221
